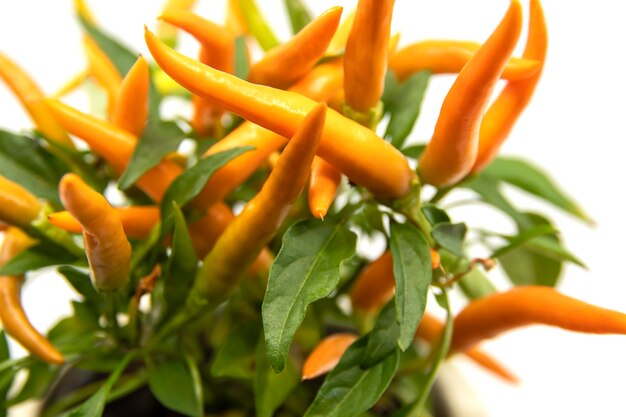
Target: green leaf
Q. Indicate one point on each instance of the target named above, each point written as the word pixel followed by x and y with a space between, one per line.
pixel 413 274
pixel 306 269
pixel 533 180
pixel 198 388
pixel 38 383
pixel 38 256
pixel 414 151
pixel 235 358
pixel 271 389
pixel 434 214
pixel 187 185
pixel 349 389
pixel 77 332
pixel 122 58
pixel 158 139
pixel 242 64
pixel 172 383
pixel 24 162
pixel 182 264
pixel 450 236
pixel 81 282
pixel 476 285
pixel 94 406
pixel 390 92
pixel 406 107
pixel 489 191
pixel 6 375
pixel 382 340
pixel 299 15
pixel 257 25
pixel 523 237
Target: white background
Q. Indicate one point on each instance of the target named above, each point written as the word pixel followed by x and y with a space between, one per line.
pixel 574 128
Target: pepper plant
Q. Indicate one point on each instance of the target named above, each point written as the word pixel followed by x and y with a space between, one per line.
pixel 272 310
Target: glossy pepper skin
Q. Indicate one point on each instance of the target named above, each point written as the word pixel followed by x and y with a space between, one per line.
pixel 131 108
pixel 522 306
pixel 285 64
pixel 246 236
pixel 137 221
pixel 283 111
pixel 31 97
pixel 12 315
pixel 365 61
pixel 319 84
pixel 449 57
pixel 107 248
pixel 325 180
pixel 17 205
pixel 103 70
pixel 511 102
pixel 451 153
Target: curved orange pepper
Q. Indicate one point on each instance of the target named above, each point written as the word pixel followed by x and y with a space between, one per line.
pixel 283 111
pixel 31 98
pixel 325 180
pixel 326 355
pixel 107 248
pixel 286 63
pixel 508 106
pixel 131 108
pixel 12 314
pixel 365 60
pixel 451 153
pixel 103 70
pixel 449 57
pixel 17 205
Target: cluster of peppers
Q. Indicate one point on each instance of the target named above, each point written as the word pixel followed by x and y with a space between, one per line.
pixel 311 107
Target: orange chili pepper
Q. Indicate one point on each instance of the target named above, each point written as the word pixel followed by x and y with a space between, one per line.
pixel 285 64
pixel 508 106
pixel 246 236
pixel 103 70
pixel 365 61
pixel 325 180
pixel 430 329
pixel 452 150
pixel 375 285
pixel 234 20
pixel 522 306
pixel 12 314
pixel 449 57
pixel 326 355
pixel 137 221
pixel 131 108
pixel 31 98
pixel 166 31
pixel 283 111
pixel 340 38
pixel 217 51
pixel 17 205
pixel 319 85
pixel 106 245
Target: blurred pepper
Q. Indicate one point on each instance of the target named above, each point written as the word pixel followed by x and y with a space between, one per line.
pixel 103 70
pixel 131 108
pixel 17 205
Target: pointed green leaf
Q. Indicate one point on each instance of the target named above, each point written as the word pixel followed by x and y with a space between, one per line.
pixel 435 215
pixel 172 383
pixel 39 381
pixel 533 180
pixel 38 256
pixel 406 108
pixel 450 236
pixel 6 375
pixel 306 269
pixel 271 389
pixel 235 358
pixel 349 389
pixel 257 25
pixel 157 140
pixel 413 274
pixel 81 282
pixel 187 185
pixel 299 15
pixel 523 237
pixel 242 65
pixel 383 339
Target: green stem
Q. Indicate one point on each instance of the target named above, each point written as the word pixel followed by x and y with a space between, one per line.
pixel 369 118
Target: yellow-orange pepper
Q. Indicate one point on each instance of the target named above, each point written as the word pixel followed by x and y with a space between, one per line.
pixel 137 221
pixel 246 236
pixel 234 20
pixel 522 306
pixel 325 180
pixel 12 315
pixel 326 355
pixel 131 108
pixel 508 106
pixel 166 31
pixel 31 98
pixel 340 38
pixel 449 57
pixel 17 205
pixel 451 153
pixel 365 61
pixel 103 70
pixel 285 64
pixel 283 111
pixel 106 245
